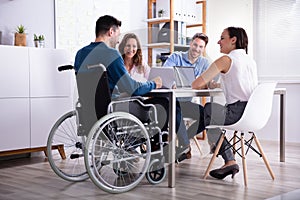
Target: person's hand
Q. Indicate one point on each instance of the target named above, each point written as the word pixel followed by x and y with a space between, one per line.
pixel 213 84
pixel 158 82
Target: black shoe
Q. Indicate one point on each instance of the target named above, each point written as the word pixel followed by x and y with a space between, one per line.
pixel 223 172
pixel 183 153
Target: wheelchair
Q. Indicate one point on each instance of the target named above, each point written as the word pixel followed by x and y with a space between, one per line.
pixel 109 142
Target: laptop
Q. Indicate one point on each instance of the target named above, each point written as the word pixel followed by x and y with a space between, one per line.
pixel 184 76
pixel 165 73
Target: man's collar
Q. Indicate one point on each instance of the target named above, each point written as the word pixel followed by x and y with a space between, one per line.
pixel 185 56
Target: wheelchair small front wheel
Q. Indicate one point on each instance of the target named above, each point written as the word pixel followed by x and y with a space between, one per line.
pixel 156 172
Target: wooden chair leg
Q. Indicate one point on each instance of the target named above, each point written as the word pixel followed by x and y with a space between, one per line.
pixel 188 122
pixel 264 157
pixel 61 151
pixel 202 136
pixel 198 145
pixel 45 152
pixel 215 155
pixel 244 160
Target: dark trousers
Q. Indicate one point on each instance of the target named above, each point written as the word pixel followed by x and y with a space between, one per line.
pixel 216 114
pixel 162 107
pixel 194 111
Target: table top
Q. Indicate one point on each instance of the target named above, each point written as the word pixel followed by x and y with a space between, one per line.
pixel 280 91
pixel 188 92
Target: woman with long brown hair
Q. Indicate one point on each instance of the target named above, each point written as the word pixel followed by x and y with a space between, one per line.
pixel 131 51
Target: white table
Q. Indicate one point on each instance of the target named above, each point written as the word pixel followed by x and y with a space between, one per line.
pixel 172 94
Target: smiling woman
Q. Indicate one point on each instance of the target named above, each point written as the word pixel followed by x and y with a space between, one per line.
pixel 131 51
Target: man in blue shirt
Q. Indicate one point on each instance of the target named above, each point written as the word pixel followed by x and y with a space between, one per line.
pixel 103 51
pixel 192 58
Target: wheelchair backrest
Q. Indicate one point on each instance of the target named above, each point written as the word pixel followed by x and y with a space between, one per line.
pixel 94 95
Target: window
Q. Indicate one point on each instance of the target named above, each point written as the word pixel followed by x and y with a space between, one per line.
pixel 276 39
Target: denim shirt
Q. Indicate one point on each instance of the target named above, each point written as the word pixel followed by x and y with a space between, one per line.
pixel 181 59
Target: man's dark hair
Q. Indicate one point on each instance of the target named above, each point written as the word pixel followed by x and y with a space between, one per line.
pixel 201 36
pixel 104 23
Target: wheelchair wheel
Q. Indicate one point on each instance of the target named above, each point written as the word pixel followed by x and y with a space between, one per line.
pixel 156 172
pixel 65 149
pixel 113 156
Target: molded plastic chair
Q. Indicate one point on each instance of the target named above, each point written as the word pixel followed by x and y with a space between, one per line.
pixel 254 118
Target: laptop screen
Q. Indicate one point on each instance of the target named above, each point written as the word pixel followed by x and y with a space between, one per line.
pixel 166 73
pixel 184 76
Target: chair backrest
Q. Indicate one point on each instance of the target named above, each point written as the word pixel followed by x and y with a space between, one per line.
pixel 94 94
pixel 258 109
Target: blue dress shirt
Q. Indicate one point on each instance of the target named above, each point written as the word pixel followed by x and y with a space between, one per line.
pixel 181 59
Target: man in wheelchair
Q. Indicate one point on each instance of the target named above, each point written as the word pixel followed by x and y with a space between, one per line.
pixel 103 51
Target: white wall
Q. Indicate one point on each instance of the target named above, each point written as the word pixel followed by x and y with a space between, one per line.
pixel 76 20
pixel 222 14
pixel 36 16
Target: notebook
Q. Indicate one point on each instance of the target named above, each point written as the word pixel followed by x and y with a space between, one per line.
pixel 165 73
pixel 184 76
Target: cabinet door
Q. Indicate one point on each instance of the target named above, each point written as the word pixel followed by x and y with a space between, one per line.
pixel 14 125
pixel 44 113
pixel 45 80
pixel 14 67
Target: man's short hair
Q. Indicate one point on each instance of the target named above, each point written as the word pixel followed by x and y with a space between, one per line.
pixel 104 23
pixel 201 36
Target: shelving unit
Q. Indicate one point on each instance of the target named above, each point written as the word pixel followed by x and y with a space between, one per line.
pixel 152 21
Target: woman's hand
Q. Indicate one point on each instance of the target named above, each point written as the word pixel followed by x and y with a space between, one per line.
pixel 221 65
pixel 213 84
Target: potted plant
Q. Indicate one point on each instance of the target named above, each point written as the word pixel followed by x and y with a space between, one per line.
pixel 161 12
pixel 158 62
pixel 39 40
pixel 20 36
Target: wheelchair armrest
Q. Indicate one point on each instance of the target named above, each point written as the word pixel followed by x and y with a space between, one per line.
pixel 126 101
pixel 125 97
pixel 123 100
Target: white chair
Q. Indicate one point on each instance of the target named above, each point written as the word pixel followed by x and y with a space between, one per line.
pixel 256 114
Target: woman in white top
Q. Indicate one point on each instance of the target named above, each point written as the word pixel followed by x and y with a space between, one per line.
pixel 238 74
pixel 131 51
